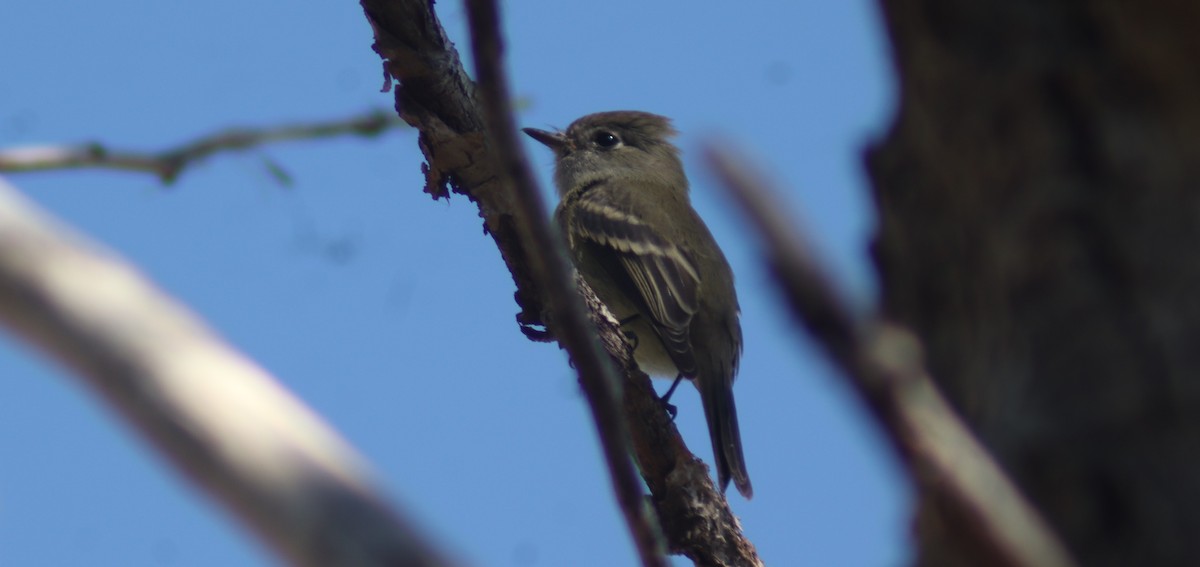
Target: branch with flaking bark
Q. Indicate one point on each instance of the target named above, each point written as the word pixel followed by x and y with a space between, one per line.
pixel 169 164
pixel 883 363
pixel 219 418
pixel 436 97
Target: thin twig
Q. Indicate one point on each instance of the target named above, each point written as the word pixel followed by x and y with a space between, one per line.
pixel 218 418
pixel 571 325
pixel 169 164
pixel 883 363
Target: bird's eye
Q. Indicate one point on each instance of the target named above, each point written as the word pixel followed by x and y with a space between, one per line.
pixel 606 140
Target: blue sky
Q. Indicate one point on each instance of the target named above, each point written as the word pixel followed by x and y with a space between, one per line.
pixel 391 314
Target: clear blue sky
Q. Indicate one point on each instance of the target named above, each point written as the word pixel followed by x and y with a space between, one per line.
pixel 392 315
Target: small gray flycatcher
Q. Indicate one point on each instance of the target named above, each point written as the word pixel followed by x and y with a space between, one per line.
pixel 633 234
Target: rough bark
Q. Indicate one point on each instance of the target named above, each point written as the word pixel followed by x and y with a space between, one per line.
pixel 435 96
pixel 1039 214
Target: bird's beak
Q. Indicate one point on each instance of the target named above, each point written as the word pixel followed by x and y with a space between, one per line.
pixel 553 140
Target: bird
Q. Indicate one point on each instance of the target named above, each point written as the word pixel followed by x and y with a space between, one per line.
pixel 626 213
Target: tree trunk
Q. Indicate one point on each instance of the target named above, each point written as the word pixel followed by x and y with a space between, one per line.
pixel 1039 203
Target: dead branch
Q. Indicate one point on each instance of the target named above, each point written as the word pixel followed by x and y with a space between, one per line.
pixel 570 322
pixel 883 363
pixel 219 419
pixel 170 163
pixel 435 96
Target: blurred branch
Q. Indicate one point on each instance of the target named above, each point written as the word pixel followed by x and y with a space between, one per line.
pixel 219 418
pixel 884 365
pixel 553 271
pixel 169 164
pixel 436 97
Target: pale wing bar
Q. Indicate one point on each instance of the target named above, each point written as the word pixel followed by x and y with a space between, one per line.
pixel 664 277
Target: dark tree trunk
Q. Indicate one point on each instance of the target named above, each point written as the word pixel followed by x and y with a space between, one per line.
pixel 1039 202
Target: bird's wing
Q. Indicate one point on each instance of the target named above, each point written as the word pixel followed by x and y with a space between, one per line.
pixel 664 278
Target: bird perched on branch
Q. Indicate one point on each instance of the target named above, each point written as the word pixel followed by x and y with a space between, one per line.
pixel 633 234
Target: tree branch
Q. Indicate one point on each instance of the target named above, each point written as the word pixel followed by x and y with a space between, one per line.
pixel 883 363
pixel 435 96
pixel 553 271
pixel 219 418
pixel 169 164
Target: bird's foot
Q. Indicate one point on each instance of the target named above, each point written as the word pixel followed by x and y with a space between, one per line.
pixel 665 400
pixel 633 339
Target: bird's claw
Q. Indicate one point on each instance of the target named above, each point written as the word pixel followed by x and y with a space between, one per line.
pixel 670 408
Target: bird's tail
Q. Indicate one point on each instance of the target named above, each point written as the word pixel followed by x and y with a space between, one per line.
pixel 716 394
